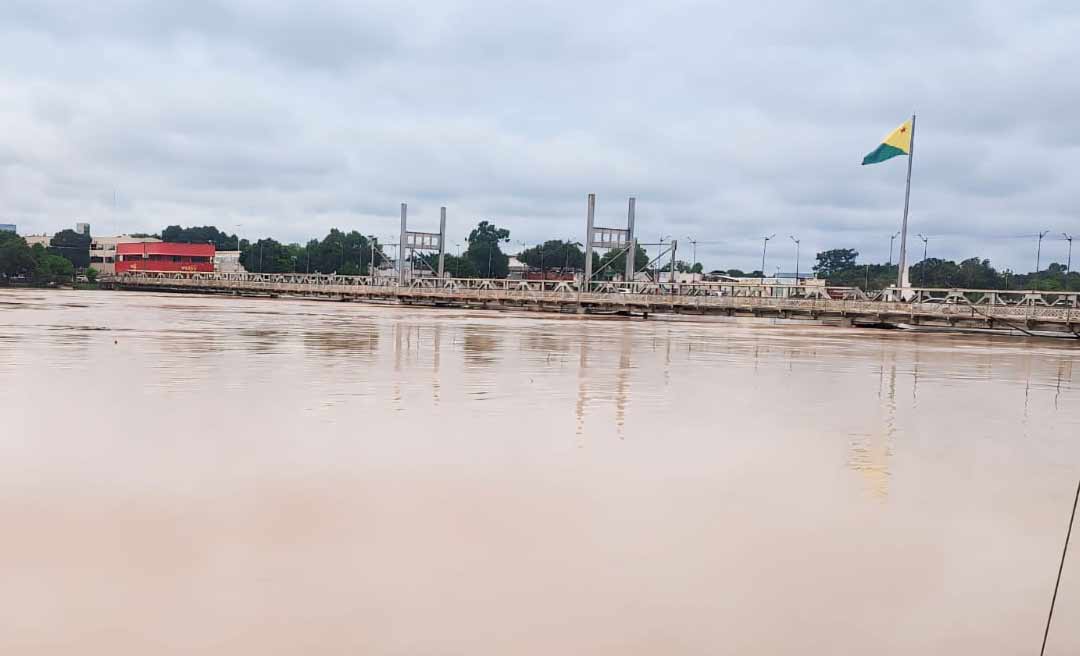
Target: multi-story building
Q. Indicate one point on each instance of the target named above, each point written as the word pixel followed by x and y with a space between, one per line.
pixel 8 227
pixel 103 250
pixel 164 256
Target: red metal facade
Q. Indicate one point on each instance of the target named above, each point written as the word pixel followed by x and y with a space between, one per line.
pixel 164 256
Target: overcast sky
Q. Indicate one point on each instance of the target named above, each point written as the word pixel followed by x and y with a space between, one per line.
pixel 727 121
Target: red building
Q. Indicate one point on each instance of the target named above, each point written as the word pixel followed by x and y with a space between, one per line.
pixel 164 256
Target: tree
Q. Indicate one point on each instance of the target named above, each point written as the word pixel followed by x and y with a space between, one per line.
pixel 555 254
pixel 697 268
pixel 16 258
pixel 453 266
pixel 484 251
pixel 978 274
pixel 345 253
pixel 617 260
pixel 834 261
pixel 75 246
pixel 50 268
pixel 267 256
pixel 200 235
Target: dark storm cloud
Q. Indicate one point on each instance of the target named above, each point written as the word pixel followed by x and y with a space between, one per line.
pixel 728 121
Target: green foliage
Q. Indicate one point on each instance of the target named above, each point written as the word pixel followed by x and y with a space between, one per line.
pixel 16 258
pixel 453 266
pixel 50 268
pixel 865 276
pixel 200 235
pixel 267 256
pixel 484 252
pixel 1052 278
pixel 72 245
pixel 91 275
pixel 832 262
pixel 617 258
pixel 345 253
pixel 556 254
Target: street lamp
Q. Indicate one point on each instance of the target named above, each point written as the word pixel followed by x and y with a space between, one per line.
pixel 764 246
pixel 693 248
pixel 1068 263
pixel 891 240
pixel 925 240
pixel 1038 252
pixel 797 242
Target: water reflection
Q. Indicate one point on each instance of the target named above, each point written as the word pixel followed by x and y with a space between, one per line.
pixel 480 345
pixel 357 340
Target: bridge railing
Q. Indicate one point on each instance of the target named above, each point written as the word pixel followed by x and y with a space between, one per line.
pixel 947 303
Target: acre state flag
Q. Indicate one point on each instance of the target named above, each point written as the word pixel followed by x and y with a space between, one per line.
pixel 897 143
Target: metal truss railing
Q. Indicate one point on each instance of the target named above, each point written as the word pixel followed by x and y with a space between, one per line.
pixel 1010 305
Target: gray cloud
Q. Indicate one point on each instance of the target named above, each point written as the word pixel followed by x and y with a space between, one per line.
pixel 727 121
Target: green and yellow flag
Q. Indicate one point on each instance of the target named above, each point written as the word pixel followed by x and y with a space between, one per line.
pixel 897 143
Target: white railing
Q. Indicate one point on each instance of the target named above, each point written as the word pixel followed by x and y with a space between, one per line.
pixel 952 304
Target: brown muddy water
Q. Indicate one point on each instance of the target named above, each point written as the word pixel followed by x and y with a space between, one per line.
pixel 183 474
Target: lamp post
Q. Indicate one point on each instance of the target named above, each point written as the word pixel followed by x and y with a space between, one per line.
pixel 925 241
pixel 797 242
pixel 764 246
pixel 238 251
pixel 1068 262
pixel 1038 252
pixel 891 240
pixel 693 250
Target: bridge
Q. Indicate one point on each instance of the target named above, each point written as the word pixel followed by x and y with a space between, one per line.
pixel 1015 311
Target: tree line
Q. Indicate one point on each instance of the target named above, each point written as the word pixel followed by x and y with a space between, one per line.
pixel 840 267
pixel 351 253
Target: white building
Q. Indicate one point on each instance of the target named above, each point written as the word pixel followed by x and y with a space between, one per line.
pixel 227 262
pixel 32 240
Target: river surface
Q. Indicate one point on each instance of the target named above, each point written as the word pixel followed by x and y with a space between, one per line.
pixel 186 474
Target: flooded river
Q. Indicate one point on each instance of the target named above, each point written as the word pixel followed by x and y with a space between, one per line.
pixel 183 474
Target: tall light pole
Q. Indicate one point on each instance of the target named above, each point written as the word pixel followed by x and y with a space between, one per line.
pixel 238 251
pixel 891 240
pixel 764 246
pixel 797 242
pixel 925 240
pixel 1038 252
pixel 693 249
pixel 1068 262
pixel 371 269
pixel 663 238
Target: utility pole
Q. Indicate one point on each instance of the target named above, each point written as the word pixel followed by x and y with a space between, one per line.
pixel 674 246
pixel 925 240
pixel 891 240
pixel 1068 262
pixel 693 250
pixel 764 246
pixel 797 242
pixel 371 262
pixel 1038 252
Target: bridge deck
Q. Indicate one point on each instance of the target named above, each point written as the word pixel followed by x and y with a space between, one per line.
pixel 946 307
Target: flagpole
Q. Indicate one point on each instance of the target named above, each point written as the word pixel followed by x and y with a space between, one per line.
pixel 907 200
